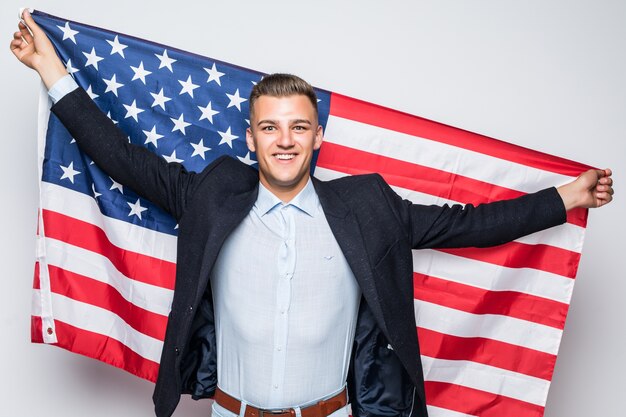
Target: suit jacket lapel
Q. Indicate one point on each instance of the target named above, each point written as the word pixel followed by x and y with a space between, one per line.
pixel 235 208
pixel 347 232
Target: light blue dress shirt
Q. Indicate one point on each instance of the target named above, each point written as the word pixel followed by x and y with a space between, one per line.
pixel 60 88
pixel 286 304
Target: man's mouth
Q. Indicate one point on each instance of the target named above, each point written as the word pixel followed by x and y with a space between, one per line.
pixel 284 156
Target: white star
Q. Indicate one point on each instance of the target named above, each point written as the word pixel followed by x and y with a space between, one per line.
pixel 69 172
pixel 188 86
pixel 247 159
pixel 95 193
pixel 136 209
pixel 91 93
pixel 112 85
pixel 235 100
pixel 68 33
pixel 199 149
pixel 116 186
pixel 172 157
pixel 92 58
pixel 207 112
pixel 140 73
pixel 152 136
pixel 166 61
pixel 70 68
pixel 214 75
pixel 109 116
pixel 117 47
pixel 227 137
pixel 179 124
pixel 132 111
pixel 160 99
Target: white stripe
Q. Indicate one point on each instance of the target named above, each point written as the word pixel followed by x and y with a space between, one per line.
pixel 45 300
pixel 438 155
pixel 325 174
pixel 102 321
pixel 503 328
pixel 122 234
pixel 566 236
pixel 90 264
pixel 444 412
pixel 487 378
pixel 493 277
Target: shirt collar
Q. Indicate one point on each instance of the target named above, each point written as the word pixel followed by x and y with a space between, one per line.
pixel 306 200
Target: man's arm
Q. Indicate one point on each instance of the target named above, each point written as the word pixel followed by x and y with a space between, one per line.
pixel 497 222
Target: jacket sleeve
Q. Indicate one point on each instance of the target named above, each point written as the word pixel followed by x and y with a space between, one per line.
pixel 166 184
pixel 484 225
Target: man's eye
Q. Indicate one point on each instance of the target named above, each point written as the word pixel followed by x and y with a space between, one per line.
pixel 299 128
pixel 268 128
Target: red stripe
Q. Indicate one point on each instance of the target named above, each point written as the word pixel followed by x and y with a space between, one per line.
pixel 90 291
pixel 134 265
pixel 36 279
pixel 423 179
pixel 480 301
pixel 476 402
pixel 102 348
pixel 375 115
pixel 36 335
pixel 487 351
pixel 521 255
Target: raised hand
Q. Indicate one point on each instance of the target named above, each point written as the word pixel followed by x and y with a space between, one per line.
pixel 31 46
pixel 593 188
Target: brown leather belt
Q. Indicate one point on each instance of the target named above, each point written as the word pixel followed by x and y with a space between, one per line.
pixel 320 409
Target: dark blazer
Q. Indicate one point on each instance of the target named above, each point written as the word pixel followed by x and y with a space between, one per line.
pixel 374 227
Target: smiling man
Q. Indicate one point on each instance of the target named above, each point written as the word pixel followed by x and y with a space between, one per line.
pixel 319 309
pixel 284 131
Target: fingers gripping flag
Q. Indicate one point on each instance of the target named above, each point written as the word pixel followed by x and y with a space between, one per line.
pixel 489 321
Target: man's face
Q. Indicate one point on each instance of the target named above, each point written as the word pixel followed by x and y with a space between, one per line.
pixel 284 132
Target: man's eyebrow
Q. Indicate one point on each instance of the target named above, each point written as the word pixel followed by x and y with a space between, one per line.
pixel 291 122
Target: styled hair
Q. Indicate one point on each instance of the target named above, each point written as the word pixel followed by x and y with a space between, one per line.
pixel 282 85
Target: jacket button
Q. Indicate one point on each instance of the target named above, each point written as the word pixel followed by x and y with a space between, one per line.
pixel 190 308
pixel 176 351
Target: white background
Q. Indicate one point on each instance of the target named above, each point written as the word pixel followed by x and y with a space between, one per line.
pixel 548 75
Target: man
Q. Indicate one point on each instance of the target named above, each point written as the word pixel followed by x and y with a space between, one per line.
pixel 325 295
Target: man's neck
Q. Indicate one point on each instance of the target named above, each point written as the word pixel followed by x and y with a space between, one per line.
pixel 285 194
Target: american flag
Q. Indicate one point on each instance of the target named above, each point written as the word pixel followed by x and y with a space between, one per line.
pixel 489 321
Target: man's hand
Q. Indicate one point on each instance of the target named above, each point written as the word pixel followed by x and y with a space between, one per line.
pixel 33 49
pixel 593 188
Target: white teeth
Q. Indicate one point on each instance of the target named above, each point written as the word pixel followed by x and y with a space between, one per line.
pixel 285 156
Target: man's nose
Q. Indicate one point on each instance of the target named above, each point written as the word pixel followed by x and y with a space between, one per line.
pixel 285 139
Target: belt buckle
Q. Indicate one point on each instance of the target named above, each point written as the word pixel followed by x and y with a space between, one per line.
pixel 263 412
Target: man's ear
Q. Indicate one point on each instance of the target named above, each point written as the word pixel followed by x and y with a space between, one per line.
pixel 319 137
pixel 250 140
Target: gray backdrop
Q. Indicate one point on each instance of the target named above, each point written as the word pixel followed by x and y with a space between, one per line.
pixel 548 75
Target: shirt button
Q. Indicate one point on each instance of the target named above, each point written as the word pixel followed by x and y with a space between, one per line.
pixel 275 386
pixel 279 348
